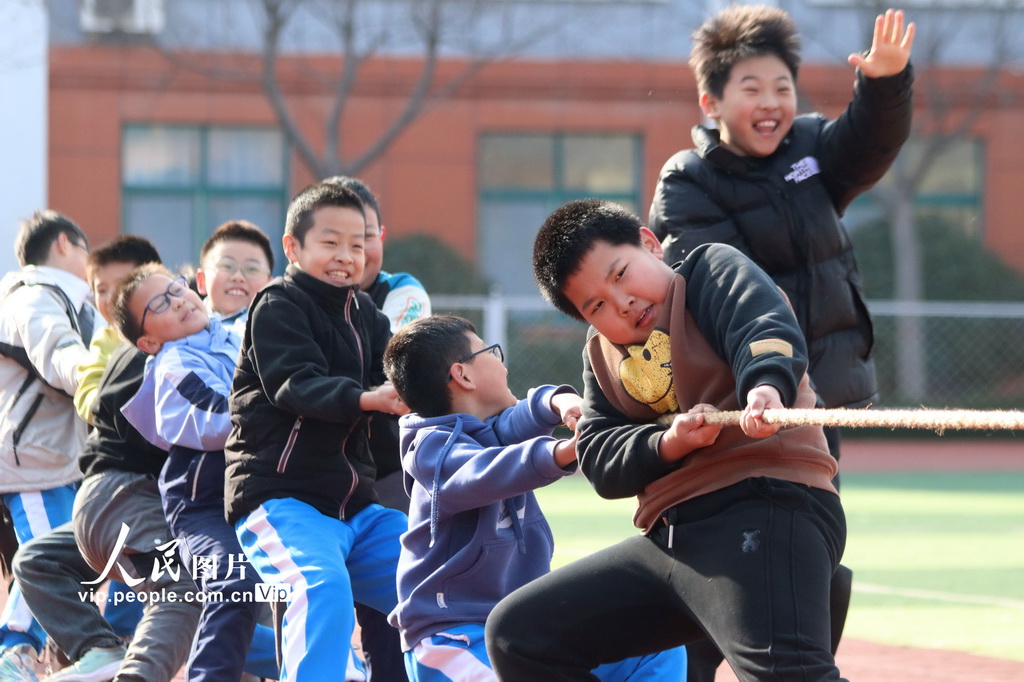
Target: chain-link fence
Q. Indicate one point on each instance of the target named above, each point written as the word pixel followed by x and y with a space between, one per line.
pixel 932 354
pixel 955 354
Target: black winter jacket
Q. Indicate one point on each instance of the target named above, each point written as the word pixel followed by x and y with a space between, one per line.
pixel 309 351
pixel 784 212
pixel 113 443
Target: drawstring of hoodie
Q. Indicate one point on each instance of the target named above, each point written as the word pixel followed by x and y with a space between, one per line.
pixel 436 485
pixel 517 524
pixel 435 488
pixel 670 518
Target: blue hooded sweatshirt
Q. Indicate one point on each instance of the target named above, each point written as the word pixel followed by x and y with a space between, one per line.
pixel 476 532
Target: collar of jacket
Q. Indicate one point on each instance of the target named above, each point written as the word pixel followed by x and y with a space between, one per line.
pixel 213 338
pixel 708 143
pixel 329 296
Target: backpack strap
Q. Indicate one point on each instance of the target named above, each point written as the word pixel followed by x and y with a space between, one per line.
pixel 20 355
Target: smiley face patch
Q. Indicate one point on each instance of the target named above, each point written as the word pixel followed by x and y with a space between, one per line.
pixel 647 373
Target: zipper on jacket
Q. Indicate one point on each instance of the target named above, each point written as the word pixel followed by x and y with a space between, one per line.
pixel 355 333
pixel 195 475
pixel 20 430
pixel 362 372
pixel 286 453
pixel 351 490
pixel 355 477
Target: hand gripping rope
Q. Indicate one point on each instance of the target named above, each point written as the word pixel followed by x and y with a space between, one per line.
pixel 936 420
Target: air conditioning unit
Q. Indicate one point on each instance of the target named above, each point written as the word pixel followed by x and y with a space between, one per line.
pixel 122 16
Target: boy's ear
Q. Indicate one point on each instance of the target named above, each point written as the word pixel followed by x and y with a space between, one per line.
pixel 460 378
pixel 709 105
pixel 201 282
pixel 649 242
pixel 148 345
pixel 289 242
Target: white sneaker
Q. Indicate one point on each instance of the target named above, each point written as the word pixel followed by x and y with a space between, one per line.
pixel 99 664
pixel 18 664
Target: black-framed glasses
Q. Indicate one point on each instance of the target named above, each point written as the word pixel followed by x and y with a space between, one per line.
pixel 162 302
pixel 250 270
pixel 494 349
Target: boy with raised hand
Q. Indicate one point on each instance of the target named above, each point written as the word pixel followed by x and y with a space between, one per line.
pixel 473 455
pixel 300 475
pixel 181 407
pixel 46 322
pixel 742 527
pixel 774 184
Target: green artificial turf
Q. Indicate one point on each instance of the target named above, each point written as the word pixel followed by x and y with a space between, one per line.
pixel 938 558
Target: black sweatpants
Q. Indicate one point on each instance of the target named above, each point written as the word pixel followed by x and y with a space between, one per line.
pixel 748 566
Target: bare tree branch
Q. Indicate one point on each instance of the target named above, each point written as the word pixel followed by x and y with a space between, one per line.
pixel 277 14
pixel 431 23
pixel 351 62
pixel 434 27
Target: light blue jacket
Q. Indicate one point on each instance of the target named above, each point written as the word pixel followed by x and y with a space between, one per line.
pixel 183 400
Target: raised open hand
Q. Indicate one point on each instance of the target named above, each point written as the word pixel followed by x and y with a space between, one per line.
pixel 890 47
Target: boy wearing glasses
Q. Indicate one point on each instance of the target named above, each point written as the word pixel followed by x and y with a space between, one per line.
pixel 181 407
pixel 473 455
pixel 235 262
pixel 118 492
pixel 300 475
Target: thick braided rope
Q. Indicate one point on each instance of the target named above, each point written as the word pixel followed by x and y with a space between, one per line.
pixel 936 420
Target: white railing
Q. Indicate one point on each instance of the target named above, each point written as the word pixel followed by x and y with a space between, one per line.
pixel 937 353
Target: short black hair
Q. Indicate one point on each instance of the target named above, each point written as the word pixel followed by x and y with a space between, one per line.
pixel 740 32
pixel 239 231
pixel 37 234
pixel 120 312
pixel 368 198
pixel 568 235
pixel 418 357
pixel 309 199
pixel 124 248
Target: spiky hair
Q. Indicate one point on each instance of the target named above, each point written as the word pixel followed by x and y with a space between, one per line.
pixel 740 32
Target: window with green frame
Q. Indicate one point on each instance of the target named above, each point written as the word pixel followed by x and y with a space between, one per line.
pixel 951 191
pixel 953 187
pixel 522 177
pixel 180 182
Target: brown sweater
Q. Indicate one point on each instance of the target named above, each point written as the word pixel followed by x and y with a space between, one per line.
pixel 677 369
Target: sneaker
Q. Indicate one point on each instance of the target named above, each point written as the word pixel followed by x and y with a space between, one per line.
pixel 18 664
pixel 99 664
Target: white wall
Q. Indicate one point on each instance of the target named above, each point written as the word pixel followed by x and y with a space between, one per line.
pixel 23 118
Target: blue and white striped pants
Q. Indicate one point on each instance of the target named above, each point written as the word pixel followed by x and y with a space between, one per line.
pixel 33 513
pixel 328 564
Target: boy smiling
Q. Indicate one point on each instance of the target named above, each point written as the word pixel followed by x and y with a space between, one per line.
pixel 775 185
pixel 235 263
pixel 300 474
